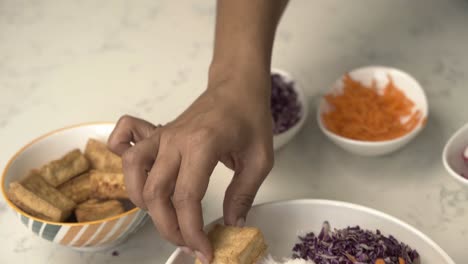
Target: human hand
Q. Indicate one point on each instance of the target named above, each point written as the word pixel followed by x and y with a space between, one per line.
pixel 167 168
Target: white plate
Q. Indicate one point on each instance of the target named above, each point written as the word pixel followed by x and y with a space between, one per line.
pixel 281 222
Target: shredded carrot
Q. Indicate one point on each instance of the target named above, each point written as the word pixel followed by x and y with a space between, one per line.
pixel 362 113
pixel 379 261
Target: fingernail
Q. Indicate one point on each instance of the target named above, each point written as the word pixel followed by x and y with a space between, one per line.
pixel 187 250
pixel 201 257
pixel 240 222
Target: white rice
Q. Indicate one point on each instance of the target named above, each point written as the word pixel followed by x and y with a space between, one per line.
pixel 271 260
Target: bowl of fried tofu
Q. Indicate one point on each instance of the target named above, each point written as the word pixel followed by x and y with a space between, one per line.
pixel 68 188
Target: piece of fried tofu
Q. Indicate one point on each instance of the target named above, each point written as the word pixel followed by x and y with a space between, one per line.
pixel 38 198
pixel 78 189
pixel 101 157
pixel 59 171
pixel 95 210
pixel 107 185
pixel 236 245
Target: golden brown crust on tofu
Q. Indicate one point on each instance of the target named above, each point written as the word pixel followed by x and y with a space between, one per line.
pixel 37 198
pixel 107 185
pixel 70 165
pixel 101 157
pixel 235 245
pixel 78 189
pixel 94 210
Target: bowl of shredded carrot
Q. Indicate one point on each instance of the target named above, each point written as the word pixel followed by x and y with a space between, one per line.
pixel 373 110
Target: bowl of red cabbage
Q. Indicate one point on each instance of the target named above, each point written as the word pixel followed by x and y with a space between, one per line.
pixel 288 107
pixel 331 232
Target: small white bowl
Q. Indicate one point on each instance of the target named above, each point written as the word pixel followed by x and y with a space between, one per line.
pixel 452 155
pixel 279 140
pixel 411 88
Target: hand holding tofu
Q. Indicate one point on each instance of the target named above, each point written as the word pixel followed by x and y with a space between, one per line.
pixel 236 245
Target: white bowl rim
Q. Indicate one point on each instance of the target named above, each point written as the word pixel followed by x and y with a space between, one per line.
pixel 447 166
pixel 350 206
pixel 301 97
pixel 382 142
pixel 28 145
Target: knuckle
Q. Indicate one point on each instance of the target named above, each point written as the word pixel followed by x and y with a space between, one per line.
pixel 129 157
pixel 182 199
pixel 152 193
pixel 191 235
pixel 112 142
pixel 148 195
pixel 243 200
pixel 265 161
pixel 201 136
pixel 123 125
pixel 125 120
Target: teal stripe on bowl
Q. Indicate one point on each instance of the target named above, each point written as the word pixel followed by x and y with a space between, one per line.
pixel 25 220
pixel 36 227
pixel 50 231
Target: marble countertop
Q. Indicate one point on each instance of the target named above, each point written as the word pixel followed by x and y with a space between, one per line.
pixel 67 62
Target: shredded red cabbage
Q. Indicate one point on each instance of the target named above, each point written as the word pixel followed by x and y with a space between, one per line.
pixel 353 245
pixel 285 107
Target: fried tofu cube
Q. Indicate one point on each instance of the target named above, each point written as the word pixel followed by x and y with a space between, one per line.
pixel 78 189
pixel 59 171
pixel 95 210
pixel 236 245
pixel 101 157
pixel 38 198
pixel 107 185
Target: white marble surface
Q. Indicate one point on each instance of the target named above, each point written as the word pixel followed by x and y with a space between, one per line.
pixel 67 62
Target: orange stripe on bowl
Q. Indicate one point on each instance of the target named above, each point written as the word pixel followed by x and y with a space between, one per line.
pixel 70 235
pixel 104 231
pixel 121 229
pixel 87 234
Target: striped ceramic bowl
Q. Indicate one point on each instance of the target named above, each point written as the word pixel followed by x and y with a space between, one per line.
pixel 89 236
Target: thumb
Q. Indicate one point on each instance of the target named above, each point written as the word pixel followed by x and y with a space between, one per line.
pixel 241 192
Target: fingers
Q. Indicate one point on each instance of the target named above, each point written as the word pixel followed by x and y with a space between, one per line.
pixel 241 192
pixel 157 194
pixel 137 162
pixel 127 131
pixel 191 186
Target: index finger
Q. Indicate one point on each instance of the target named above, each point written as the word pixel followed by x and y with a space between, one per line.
pixel 129 130
pixel 137 162
pixel 191 186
